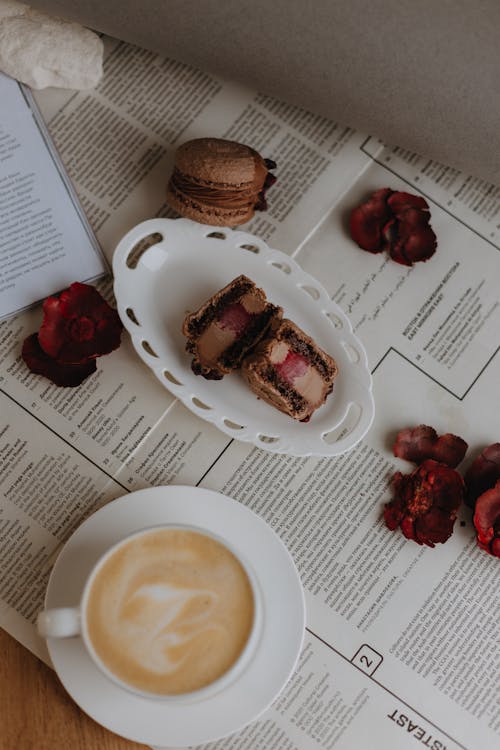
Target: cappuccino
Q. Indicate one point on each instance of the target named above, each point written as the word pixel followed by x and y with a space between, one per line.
pixel 169 611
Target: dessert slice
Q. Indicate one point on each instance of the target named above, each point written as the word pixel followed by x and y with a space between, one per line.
pixel 289 371
pixel 226 326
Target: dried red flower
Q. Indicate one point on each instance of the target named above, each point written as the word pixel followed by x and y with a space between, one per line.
pixel 482 473
pixel 79 325
pixel 400 202
pixel 419 443
pixel 61 374
pixel 269 181
pixel 426 503
pixel 397 222
pixel 368 220
pixel 487 520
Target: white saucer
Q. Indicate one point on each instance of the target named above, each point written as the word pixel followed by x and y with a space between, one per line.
pixel 182 724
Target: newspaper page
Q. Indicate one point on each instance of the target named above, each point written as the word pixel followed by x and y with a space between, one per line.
pixel 402 640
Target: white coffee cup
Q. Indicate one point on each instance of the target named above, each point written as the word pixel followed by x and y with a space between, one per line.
pixel 169 613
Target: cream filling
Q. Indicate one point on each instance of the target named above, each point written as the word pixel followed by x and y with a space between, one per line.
pixel 215 339
pixel 213 342
pixel 252 303
pixel 310 385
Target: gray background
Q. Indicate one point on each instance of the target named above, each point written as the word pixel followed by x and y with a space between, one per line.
pixel 424 75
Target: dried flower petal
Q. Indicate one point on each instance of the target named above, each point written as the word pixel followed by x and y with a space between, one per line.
pixel 368 221
pixel 487 520
pixel 79 325
pixel 399 202
pixel 426 503
pixel 482 473
pixel 413 239
pixel 61 374
pixel 419 443
pixel 397 222
pixel 269 181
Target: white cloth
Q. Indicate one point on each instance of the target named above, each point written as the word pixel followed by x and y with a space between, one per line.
pixel 42 51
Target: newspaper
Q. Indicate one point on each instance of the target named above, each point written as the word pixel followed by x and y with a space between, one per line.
pixel 402 640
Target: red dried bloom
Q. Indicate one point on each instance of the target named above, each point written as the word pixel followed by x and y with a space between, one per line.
pixel 426 503
pixel 482 473
pixel 368 220
pixel 397 222
pixel 79 325
pixel 400 202
pixel 419 443
pixel 410 237
pixel 487 520
pixel 61 374
pixel 269 181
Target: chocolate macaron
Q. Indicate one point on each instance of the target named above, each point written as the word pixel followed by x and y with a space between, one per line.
pixel 219 182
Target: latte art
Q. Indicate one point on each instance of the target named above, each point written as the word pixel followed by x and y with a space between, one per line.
pixel 156 617
pixel 170 611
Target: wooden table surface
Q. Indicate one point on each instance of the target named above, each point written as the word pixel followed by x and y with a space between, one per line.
pixel 36 713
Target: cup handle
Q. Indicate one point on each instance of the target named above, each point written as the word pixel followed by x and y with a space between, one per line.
pixel 59 623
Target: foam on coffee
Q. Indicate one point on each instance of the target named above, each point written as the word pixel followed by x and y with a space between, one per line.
pixel 170 611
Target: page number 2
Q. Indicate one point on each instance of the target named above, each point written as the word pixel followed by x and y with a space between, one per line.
pixel 367 659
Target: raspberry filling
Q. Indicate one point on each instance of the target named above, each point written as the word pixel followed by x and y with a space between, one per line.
pixel 294 366
pixel 235 318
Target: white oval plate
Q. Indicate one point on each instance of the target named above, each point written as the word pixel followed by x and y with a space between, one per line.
pixel 182 723
pixel 189 264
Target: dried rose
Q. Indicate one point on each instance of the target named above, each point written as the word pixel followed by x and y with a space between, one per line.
pixel 482 473
pixel 426 503
pixel 261 204
pixel 487 520
pixel 397 222
pixel 419 443
pixel 79 325
pixel 61 374
pixel 368 220
pixel 409 235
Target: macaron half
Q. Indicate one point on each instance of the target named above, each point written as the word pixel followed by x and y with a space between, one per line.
pixel 219 182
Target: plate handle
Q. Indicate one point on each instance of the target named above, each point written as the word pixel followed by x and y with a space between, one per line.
pixel 363 399
pixel 132 238
pixel 358 359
